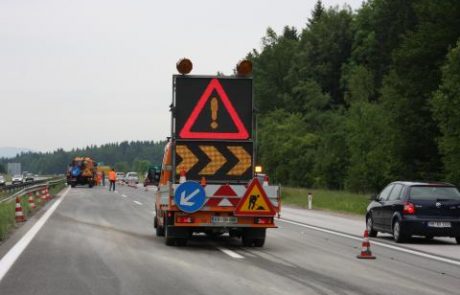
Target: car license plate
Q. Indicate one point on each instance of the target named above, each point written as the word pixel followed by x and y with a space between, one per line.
pixel 224 219
pixel 439 224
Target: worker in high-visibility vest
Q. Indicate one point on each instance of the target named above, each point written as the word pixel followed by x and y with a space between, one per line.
pixel 112 179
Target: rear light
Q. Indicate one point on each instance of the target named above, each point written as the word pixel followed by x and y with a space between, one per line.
pixel 409 208
pixel 184 219
pixel 264 220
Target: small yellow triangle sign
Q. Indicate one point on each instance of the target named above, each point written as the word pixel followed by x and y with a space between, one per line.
pixel 255 202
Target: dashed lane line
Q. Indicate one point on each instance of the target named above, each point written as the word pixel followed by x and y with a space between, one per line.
pixel 389 246
pixel 13 254
pixel 124 196
pixel 231 253
pixel 138 203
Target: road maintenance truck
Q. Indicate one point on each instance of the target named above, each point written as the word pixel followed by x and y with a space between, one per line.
pixel 207 182
pixel 82 171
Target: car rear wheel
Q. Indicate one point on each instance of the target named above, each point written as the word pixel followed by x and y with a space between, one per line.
pixel 398 234
pixel 457 239
pixel 370 227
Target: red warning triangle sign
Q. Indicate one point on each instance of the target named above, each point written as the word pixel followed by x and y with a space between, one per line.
pixel 255 202
pixel 222 192
pixel 187 132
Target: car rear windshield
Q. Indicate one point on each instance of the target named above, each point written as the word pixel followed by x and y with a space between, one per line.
pixel 434 193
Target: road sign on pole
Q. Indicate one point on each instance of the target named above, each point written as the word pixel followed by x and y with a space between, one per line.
pixel 189 196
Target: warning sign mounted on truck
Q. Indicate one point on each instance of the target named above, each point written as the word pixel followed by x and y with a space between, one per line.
pixel 213 108
pixel 217 161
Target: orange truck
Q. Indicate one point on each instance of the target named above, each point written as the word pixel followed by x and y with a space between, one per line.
pixel 82 171
pixel 207 182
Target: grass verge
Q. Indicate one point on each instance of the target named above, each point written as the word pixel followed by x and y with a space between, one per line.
pixel 337 201
pixel 7 210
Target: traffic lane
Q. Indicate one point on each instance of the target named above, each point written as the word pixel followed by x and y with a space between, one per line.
pixel 356 245
pixel 393 272
pixel 355 225
pixel 146 198
pixel 98 242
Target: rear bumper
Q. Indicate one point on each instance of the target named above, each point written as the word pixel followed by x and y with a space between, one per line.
pixel 420 227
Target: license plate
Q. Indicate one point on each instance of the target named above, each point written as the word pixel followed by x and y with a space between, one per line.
pixel 439 224
pixel 224 219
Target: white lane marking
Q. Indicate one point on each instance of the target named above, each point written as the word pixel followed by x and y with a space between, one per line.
pixel 138 203
pixel 13 254
pixel 124 196
pixel 230 253
pixel 413 252
pixel 116 192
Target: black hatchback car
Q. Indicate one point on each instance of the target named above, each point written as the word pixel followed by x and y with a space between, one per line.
pixel 415 208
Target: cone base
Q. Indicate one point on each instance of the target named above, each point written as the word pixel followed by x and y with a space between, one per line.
pixel 365 257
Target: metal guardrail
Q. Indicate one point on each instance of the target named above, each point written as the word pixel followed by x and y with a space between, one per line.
pixel 38 185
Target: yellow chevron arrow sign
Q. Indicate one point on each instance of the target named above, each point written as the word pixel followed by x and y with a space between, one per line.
pixel 217 160
pixel 244 159
pixel 188 158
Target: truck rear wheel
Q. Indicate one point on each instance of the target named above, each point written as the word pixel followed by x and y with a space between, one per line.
pixel 159 230
pixel 253 237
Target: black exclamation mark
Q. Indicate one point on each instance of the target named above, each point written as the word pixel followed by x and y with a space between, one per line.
pixel 214 109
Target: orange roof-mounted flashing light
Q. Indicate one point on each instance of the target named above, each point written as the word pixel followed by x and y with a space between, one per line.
pixel 184 66
pixel 244 68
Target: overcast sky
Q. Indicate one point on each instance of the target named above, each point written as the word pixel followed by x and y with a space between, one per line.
pixel 75 73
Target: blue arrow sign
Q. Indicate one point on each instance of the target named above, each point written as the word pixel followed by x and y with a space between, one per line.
pixel 190 196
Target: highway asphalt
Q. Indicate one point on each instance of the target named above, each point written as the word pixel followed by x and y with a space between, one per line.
pixel 100 242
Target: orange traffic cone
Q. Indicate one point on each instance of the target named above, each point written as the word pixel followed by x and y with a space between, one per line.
pixel 366 248
pixel 19 214
pixel 182 177
pixel 32 202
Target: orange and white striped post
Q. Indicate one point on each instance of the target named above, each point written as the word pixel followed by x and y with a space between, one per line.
pixel 32 201
pixel 19 214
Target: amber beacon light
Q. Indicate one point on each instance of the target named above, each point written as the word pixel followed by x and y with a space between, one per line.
pixel 244 68
pixel 184 66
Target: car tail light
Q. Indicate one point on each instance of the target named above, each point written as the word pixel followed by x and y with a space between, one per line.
pixel 264 220
pixel 184 219
pixel 409 208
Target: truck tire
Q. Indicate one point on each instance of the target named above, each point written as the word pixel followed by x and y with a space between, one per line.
pixel 259 242
pixel 169 241
pixel 253 237
pixel 159 230
pixel 181 242
pixel 247 241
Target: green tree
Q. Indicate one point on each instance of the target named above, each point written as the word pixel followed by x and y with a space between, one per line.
pixel 286 148
pixel 446 110
pixel 408 88
pixel 141 166
pixel 324 46
pixel 122 166
pixel 271 67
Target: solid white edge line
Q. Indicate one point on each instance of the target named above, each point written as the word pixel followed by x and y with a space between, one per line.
pixel 230 253
pixel 13 254
pixel 413 252
pixel 138 203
